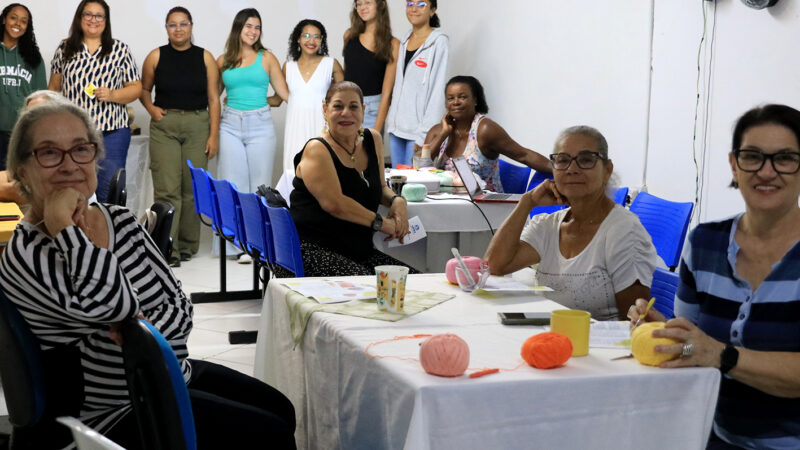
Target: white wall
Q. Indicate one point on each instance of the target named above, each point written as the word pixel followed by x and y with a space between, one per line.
pixel 547 65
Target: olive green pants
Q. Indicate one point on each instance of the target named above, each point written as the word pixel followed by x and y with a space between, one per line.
pixel 178 136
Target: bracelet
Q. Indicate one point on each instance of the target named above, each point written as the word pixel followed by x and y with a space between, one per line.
pixel 392 200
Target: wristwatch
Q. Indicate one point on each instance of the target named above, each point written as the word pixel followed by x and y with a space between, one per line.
pixel 392 200
pixel 728 359
pixel 377 223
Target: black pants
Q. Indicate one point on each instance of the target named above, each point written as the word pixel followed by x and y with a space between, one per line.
pixel 231 410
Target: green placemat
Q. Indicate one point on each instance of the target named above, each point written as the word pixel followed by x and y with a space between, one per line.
pixel 301 308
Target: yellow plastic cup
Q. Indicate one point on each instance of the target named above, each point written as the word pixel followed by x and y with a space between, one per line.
pixel 573 324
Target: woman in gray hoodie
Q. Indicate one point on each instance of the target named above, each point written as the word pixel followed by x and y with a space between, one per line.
pixel 418 94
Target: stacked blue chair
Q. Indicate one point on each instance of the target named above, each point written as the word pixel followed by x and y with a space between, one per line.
pixel 513 177
pixel 547 209
pixel 537 179
pixel 157 388
pixel 286 241
pixel 666 222
pixel 257 229
pixel 621 196
pixel 663 288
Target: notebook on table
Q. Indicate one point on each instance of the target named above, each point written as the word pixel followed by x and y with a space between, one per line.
pixel 474 189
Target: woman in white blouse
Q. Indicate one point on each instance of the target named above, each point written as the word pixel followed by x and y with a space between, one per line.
pixel 596 255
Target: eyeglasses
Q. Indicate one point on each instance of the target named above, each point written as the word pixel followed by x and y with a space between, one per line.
pixel 48 157
pixel 417 4
pixel 175 26
pixel 585 160
pixel 364 3
pixel 96 17
pixel 315 37
pixel 784 162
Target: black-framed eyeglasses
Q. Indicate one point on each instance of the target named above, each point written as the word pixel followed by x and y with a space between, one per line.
pixel 48 157
pixel 750 160
pixel 96 17
pixel 585 159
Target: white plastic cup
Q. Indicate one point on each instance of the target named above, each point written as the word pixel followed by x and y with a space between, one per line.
pixel 391 284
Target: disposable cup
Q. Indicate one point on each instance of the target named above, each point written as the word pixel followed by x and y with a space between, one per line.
pixel 574 324
pixel 391 283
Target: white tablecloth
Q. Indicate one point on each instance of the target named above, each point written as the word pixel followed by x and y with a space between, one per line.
pixel 138 179
pixel 345 399
pixel 449 222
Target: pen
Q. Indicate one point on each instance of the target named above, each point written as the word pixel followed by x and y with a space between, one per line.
pixel 463 266
pixel 647 310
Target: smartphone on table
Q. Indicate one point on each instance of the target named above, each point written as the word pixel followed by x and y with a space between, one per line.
pixel 526 318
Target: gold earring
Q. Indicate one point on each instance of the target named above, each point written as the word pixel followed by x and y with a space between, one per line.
pixel 325 128
pixel 361 134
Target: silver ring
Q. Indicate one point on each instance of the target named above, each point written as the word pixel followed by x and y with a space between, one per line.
pixel 688 348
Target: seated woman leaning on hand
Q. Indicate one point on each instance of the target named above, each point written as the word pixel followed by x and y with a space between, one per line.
pixel 595 255
pixel 76 270
pixel 466 131
pixel 738 300
pixel 338 186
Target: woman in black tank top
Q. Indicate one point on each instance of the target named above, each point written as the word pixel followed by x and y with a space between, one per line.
pixel 338 187
pixel 370 58
pixel 184 124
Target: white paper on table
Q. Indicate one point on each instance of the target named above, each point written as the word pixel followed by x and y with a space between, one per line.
pixel 332 291
pixel 503 284
pixel 610 334
pixel 417 233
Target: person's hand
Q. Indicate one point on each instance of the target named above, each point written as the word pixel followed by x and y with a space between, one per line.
pixel 64 208
pixel 114 333
pixel 103 94
pixel 546 194
pixel 417 150
pixel 389 227
pixel 399 212
pixel 702 349
pixel 447 123
pixel 639 307
pixel 212 147
pixel 156 113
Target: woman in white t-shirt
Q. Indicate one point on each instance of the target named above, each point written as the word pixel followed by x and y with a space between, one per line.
pixel 596 255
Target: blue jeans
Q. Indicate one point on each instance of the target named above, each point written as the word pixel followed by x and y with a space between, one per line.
pixel 116 143
pixel 246 148
pixel 402 150
pixel 371 105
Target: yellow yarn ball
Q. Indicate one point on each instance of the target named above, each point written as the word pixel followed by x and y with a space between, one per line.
pixel 643 344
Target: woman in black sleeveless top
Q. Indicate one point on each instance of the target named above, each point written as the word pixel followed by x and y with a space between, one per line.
pixel 338 187
pixel 184 124
pixel 370 58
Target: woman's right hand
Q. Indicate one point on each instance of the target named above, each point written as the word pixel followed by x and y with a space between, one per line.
pixel 389 227
pixel 447 124
pixel 64 208
pixel 547 194
pixel 639 307
pixel 156 113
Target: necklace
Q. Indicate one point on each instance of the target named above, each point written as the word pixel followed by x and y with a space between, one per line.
pixel 350 153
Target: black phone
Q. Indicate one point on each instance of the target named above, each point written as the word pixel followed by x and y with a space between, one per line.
pixel 528 318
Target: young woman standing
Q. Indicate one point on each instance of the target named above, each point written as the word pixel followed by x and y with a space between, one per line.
pixel 184 124
pixel 418 94
pixel 370 58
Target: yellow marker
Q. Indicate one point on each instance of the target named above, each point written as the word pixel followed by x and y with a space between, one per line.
pixel 647 310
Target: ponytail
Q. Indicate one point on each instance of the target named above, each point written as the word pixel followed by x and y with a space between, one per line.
pixel 434 22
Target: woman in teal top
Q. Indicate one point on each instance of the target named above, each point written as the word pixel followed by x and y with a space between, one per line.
pixel 247 135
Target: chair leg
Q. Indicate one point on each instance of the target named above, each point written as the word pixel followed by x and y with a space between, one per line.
pixel 224 295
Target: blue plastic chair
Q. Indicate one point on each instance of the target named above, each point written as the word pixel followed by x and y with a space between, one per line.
pixel 225 210
pixel 201 188
pixel 621 196
pixel 157 388
pixel 514 178
pixel 665 284
pixel 257 229
pixel 547 209
pixel 666 222
pixel 286 241
pixel 537 179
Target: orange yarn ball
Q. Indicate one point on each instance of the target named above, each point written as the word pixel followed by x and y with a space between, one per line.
pixel 546 350
pixel 445 355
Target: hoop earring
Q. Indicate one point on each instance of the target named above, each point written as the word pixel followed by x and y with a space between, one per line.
pixel 361 134
pixel 325 128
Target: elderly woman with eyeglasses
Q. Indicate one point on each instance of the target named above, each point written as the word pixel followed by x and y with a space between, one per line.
pixel 595 255
pixel 738 300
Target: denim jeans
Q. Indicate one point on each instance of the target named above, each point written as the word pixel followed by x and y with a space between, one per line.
pixel 246 148
pixel 116 143
pixel 371 105
pixel 401 149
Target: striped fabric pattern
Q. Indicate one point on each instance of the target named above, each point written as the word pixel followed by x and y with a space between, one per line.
pixel 722 304
pixel 85 68
pixel 69 291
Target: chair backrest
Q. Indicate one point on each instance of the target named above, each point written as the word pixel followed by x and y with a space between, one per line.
pixel 21 368
pixel 621 196
pixel 117 193
pixel 157 388
pixel 165 214
pixel 513 177
pixel 257 229
pixel 547 209
pixel 666 222
pixel 85 437
pixel 537 179
pixel 201 188
pixel 285 240
pixel 663 288
pixel 225 208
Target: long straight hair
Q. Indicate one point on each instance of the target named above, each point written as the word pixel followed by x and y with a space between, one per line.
pixel 28 48
pixel 233 47
pixel 74 43
pixel 383 30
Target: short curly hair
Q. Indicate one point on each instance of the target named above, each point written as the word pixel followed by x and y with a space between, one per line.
pixel 294 46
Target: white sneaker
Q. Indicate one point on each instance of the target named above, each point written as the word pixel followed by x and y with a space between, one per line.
pixel 244 258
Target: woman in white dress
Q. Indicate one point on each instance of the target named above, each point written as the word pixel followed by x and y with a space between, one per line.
pixel 309 71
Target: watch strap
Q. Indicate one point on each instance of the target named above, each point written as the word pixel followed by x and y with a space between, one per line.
pixel 728 358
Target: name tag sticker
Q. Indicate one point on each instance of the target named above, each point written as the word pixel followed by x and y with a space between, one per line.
pixel 89 90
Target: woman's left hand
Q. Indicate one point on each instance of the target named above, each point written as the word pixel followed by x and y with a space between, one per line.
pixel 702 349
pixel 103 94
pixel 399 212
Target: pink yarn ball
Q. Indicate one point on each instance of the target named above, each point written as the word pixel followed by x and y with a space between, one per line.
pixel 445 355
pixel 473 264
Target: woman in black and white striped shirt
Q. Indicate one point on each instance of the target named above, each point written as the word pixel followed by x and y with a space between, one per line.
pixel 76 270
